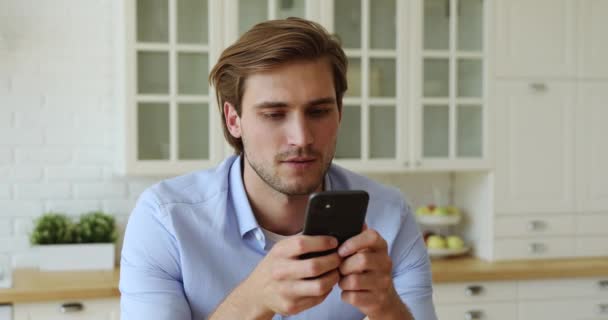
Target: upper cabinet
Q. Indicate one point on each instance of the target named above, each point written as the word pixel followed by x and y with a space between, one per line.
pixel 593 40
pixel 449 87
pixel 535 38
pixel 171 119
pixel 373 130
pixel 592 147
pixel 416 97
pixel 535 147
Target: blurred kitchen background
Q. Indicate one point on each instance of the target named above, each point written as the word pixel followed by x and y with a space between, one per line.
pixel 495 107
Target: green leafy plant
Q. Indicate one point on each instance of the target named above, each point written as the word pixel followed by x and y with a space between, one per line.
pixel 53 228
pixel 97 227
pixel 58 228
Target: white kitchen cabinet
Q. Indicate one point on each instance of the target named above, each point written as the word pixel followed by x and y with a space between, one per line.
pixel 536 38
pixel 593 41
pixel 448 88
pixel 535 225
pixel 478 311
pixel 572 299
pixel 90 309
pixel 171 123
pixel 492 300
pixel 534 147
pixel 534 248
pixel 592 147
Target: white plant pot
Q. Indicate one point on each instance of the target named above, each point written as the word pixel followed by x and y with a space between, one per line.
pixel 83 256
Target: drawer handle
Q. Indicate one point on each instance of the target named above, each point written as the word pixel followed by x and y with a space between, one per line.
pixel 602 308
pixel 71 307
pixel 473 315
pixel 536 248
pixel 536 225
pixel 538 86
pixel 473 290
pixel 603 284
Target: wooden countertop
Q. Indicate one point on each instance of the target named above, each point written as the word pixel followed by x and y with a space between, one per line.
pixel 472 269
pixel 30 285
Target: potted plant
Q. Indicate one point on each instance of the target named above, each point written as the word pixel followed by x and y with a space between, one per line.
pixel 63 244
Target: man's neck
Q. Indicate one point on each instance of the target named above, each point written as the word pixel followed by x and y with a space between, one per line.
pixel 277 212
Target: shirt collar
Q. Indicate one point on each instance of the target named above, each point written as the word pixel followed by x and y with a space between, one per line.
pixel 244 214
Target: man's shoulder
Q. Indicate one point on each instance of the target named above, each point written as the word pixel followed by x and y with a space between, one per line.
pixel 191 188
pixel 344 179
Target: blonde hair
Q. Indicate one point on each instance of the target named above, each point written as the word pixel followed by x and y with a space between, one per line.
pixel 267 45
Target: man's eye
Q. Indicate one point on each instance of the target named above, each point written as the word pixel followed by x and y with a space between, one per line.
pixel 273 115
pixel 319 112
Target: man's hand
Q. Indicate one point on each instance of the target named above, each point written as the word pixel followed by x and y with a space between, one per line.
pixel 366 277
pixel 284 284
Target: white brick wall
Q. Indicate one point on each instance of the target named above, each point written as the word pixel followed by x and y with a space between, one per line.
pixel 59 117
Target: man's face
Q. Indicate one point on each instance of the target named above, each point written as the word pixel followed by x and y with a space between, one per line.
pixel 289 123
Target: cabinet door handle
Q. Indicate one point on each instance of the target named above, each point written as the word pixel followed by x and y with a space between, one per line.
pixel 538 86
pixel 407 164
pixel 536 247
pixel 473 315
pixel 603 284
pixel 473 290
pixel 71 307
pixel 536 225
pixel 602 308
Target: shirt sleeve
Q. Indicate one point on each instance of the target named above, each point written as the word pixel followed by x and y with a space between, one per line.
pixel 412 269
pixel 150 278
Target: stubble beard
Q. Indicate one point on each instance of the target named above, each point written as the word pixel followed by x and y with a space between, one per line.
pixel 273 180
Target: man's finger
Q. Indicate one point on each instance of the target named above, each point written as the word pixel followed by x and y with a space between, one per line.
pixel 368 239
pixel 317 287
pixel 296 246
pixel 366 261
pixel 365 281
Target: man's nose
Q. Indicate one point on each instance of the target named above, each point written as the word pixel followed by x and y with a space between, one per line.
pixel 299 132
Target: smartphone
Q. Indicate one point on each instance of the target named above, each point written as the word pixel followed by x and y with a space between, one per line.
pixel 340 214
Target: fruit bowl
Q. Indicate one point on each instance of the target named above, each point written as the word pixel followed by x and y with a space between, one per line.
pixel 434 215
pixel 436 220
pixel 447 252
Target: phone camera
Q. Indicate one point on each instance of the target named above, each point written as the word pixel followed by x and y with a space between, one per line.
pixel 327 206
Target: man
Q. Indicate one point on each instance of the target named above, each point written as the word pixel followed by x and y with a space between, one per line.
pixel 224 243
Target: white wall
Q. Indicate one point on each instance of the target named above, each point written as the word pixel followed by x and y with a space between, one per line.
pixel 59 119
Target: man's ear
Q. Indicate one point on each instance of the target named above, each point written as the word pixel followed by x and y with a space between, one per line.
pixel 233 121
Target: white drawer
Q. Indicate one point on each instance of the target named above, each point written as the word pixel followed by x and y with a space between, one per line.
pixel 94 309
pixel 534 248
pixel 567 288
pixel 474 292
pixel 474 311
pixel 536 225
pixel 592 246
pixel 564 309
pixel 592 224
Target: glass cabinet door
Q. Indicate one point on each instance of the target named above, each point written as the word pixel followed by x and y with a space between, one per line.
pixel 171 93
pixel 368 32
pixel 452 91
pixel 251 12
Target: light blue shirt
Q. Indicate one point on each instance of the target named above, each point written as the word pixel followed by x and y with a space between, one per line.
pixel 192 239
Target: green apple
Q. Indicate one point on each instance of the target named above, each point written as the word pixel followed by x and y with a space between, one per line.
pixel 441 211
pixel 455 242
pixel 423 210
pixel 435 242
pixel 453 210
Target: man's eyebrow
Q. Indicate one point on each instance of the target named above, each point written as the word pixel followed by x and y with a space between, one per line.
pixel 279 104
pixel 321 101
pixel 270 105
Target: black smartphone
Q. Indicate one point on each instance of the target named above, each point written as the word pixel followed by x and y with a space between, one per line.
pixel 340 214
